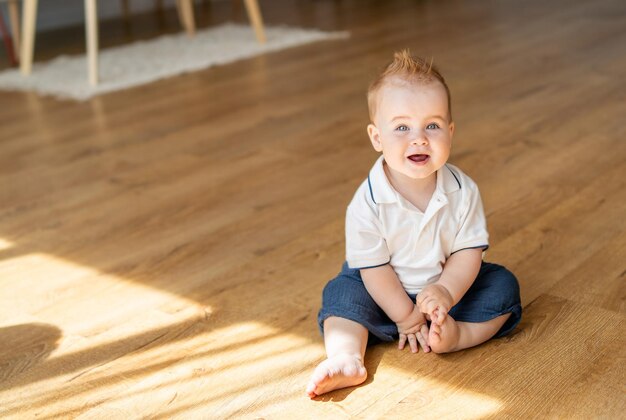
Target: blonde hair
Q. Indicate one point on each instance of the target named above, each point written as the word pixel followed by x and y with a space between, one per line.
pixel 410 69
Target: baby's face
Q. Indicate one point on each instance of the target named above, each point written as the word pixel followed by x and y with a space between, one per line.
pixel 412 128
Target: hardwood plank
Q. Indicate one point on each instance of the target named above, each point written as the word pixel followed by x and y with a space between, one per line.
pixel 557 242
pixel 599 279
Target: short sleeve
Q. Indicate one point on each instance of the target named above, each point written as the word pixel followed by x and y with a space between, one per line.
pixel 365 244
pixel 472 232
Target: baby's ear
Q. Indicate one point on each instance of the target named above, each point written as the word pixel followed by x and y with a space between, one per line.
pixel 451 127
pixel 374 134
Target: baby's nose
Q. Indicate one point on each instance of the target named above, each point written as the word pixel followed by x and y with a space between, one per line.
pixel 419 138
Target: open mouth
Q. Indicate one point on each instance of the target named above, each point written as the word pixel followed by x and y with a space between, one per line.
pixel 419 158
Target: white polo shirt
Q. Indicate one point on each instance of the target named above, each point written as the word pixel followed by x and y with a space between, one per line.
pixel 383 227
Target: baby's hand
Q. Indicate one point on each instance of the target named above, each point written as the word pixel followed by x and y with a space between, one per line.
pixel 436 301
pixel 414 330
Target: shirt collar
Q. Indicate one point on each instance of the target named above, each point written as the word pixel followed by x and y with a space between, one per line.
pixel 381 190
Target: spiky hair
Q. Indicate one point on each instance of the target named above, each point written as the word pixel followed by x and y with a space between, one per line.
pixel 409 69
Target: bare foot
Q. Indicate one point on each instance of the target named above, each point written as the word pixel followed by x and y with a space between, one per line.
pixel 444 337
pixel 340 371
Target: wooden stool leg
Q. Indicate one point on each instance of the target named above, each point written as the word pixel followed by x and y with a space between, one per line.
pixel 14 16
pixel 185 14
pixel 91 28
pixel 29 17
pixel 254 14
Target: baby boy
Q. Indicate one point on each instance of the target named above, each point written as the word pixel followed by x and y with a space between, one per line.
pixel 415 237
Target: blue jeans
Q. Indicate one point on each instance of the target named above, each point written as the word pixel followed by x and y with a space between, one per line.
pixel 495 292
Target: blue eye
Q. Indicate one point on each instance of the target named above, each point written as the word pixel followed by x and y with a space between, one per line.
pixel 432 126
pixel 402 128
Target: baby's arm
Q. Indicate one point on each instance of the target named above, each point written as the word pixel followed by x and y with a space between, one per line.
pixel 459 272
pixel 383 285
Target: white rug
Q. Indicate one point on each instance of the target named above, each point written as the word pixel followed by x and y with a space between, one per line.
pixel 147 61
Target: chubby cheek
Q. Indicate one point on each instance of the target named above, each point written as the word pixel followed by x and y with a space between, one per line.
pixel 442 144
pixel 399 149
pixel 443 150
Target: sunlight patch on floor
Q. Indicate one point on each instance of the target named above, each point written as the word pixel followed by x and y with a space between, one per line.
pixel 74 297
pixel 210 371
pixel 40 273
pixel 4 244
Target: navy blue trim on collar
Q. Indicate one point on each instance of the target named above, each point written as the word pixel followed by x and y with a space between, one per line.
pixel 369 183
pixel 454 175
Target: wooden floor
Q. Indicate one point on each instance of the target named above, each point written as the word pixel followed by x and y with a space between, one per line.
pixel 163 249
